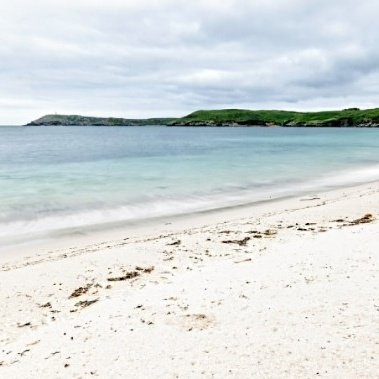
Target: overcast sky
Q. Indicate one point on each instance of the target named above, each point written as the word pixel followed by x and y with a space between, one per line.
pixel 139 58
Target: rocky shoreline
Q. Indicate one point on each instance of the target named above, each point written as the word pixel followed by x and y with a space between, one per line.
pixel 289 125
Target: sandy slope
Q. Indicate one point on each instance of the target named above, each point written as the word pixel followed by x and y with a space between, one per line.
pixel 285 291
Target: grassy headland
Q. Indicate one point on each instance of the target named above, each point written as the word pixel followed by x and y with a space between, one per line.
pixel 234 117
pixel 71 120
pixel 352 117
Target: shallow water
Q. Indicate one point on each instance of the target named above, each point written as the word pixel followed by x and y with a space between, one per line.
pixel 53 178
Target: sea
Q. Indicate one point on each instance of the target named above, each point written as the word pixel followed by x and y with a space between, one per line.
pixel 55 178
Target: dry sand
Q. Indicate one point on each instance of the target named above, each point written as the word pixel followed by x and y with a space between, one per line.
pixel 287 289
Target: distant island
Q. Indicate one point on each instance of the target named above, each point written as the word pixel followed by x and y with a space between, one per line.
pixel 75 120
pixel 351 117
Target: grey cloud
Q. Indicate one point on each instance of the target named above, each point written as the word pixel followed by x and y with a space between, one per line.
pixel 151 58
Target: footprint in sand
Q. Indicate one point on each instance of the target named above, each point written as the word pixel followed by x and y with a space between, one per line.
pixel 192 322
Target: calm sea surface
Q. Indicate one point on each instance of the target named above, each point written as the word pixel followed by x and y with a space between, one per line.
pixel 53 178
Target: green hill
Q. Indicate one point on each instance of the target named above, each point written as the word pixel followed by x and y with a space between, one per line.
pixel 234 117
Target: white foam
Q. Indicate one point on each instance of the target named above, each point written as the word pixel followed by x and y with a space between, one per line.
pixel 175 206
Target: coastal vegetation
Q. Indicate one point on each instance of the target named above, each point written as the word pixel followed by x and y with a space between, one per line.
pixel 351 117
pixel 230 117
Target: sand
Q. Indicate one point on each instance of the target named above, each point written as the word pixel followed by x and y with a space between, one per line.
pixel 287 289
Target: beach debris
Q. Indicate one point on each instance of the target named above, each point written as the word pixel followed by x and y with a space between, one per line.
pixel 24 325
pixel 132 274
pixel 168 259
pixel 244 260
pixel 80 291
pixel 33 343
pixel 267 232
pixel 126 276
pixel 147 270
pixel 146 322
pixel 175 243
pixel 367 218
pixel 23 352
pixel 47 305
pixel 86 303
pixel 270 232
pixel 198 316
pixel 242 242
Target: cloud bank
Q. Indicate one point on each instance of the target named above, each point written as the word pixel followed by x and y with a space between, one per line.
pixel 169 57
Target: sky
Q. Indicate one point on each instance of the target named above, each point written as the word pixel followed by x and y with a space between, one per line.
pixel 139 58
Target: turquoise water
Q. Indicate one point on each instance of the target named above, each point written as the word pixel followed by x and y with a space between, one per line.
pixel 53 178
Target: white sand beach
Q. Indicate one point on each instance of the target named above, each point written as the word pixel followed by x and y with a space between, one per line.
pixel 286 289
